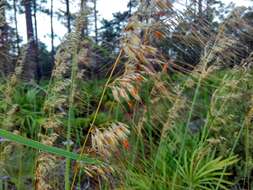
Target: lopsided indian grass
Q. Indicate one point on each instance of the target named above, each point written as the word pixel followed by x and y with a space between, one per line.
pixel 106 141
pixel 221 44
pixel 54 109
pixel 45 165
pixel 60 99
pixel 95 115
pixel 141 56
pixel 7 90
pixel 76 38
pixel 138 53
pixel 13 80
pixel 233 89
pixel 10 110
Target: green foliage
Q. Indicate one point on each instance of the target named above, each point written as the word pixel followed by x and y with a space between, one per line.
pixel 200 170
pixel 189 129
pixel 152 162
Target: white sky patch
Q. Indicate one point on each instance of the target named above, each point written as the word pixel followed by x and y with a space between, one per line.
pixel 105 8
pixel 245 3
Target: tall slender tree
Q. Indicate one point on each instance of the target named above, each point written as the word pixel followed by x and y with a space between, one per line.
pixel 29 22
pixel 52 30
pixel 35 21
pixel 30 67
pixel 16 25
pixel 36 38
pixel 95 20
pixel 4 46
pixel 85 30
pixel 68 16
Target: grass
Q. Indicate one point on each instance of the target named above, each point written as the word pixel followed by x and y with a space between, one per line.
pixel 152 159
pixel 188 130
pixel 44 148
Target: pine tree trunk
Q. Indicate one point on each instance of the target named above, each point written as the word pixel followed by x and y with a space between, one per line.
pixel 5 66
pixel 96 21
pixel 35 21
pixel 68 16
pixel 16 25
pixel 29 23
pixel 30 66
pixel 85 31
pixel 36 40
pixel 52 31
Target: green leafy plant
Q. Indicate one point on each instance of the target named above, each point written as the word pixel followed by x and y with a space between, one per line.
pixel 201 170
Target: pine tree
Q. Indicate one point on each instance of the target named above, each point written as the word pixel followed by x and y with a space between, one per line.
pixel 30 66
pixel 193 32
pixel 4 42
pixel 36 41
pixel 95 20
pixel 65 15
pixel 84 7
pixel 68 16
pixel 52 30
pixel 16 25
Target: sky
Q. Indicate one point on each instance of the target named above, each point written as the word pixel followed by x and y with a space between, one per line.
pixel 105 8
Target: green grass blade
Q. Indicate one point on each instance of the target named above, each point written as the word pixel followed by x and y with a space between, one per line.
pixel 45 148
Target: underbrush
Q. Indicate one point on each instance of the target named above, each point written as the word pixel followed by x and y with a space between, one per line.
pixel 198 139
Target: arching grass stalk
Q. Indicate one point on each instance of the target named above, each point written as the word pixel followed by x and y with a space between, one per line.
pixel 96 113
pixel 45 148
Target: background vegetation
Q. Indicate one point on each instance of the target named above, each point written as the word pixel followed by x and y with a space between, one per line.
pixel 158 98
